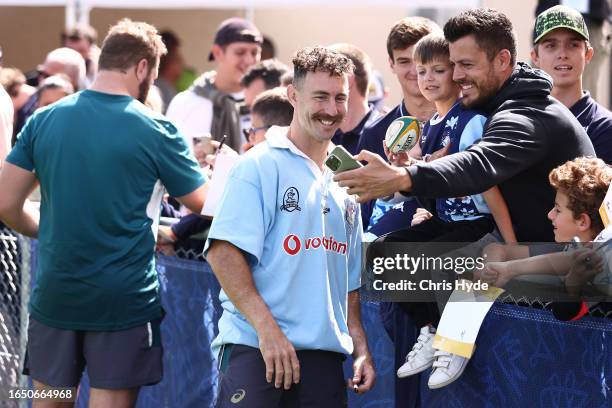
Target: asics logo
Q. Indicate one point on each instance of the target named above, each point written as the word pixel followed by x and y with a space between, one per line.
pixel 238 396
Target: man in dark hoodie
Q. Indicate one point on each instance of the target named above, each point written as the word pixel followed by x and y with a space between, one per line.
pixel 528 132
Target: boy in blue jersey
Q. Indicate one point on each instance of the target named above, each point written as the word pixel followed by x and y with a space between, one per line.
pixel 381 217
pixel 453 128
pixel 463 219
pixel 285 245
pixel 102 159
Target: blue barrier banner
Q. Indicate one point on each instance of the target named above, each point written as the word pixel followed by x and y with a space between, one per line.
pixel 523 357
pixel 526 358
pixel 190 297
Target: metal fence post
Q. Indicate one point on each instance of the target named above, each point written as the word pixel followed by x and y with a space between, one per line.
pixel 26 277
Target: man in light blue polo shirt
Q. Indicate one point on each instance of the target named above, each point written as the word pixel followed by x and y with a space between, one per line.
pixel 285 245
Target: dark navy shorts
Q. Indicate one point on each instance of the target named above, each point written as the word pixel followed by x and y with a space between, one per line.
pixel 114 359
pixel 242 381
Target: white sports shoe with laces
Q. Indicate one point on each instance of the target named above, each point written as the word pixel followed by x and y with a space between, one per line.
pixel 446 369
pixel 421 357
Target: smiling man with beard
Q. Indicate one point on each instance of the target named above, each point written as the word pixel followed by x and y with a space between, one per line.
pixel 286 248
pixel 528 133
pixel 102 159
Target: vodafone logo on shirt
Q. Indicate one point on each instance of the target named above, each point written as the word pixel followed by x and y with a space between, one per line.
pixel 293 245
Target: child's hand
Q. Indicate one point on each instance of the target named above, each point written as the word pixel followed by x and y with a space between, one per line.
pixel 398 159
pixel 419 216
pixel 497 274
pixel 439 153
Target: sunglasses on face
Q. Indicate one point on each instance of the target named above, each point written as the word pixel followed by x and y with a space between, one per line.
pixel 250 132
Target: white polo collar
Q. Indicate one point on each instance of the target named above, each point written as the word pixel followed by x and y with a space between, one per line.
pixel 277 138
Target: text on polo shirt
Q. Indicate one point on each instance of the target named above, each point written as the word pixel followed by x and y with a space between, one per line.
pixel 293 245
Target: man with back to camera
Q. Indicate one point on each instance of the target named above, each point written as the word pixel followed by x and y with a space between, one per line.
pixel 290 265
pixel 213 103
pixel 528 133
pixel 562 50
pixel 96 303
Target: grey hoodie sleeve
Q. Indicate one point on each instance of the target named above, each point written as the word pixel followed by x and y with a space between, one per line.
pixel 512 142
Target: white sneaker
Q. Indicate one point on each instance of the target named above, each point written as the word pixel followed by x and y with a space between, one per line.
pixel 421 357
pixel 446 369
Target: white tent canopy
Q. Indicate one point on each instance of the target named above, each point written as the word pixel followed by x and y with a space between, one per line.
pixel 230 4
pixel 78 10
pixel 27 3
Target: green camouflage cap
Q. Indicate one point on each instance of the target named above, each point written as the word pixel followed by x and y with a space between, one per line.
pixel 560 17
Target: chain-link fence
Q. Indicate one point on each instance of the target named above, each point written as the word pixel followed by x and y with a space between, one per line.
pixel 14 293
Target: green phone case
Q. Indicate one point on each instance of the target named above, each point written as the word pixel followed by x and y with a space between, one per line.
pixel 340 160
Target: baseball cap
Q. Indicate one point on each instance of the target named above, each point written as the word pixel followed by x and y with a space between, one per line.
pixel 560 17
pixel 236 29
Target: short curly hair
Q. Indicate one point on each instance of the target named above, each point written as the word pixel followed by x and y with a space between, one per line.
pixel 322 59
pixel 127 43
pixel 585 181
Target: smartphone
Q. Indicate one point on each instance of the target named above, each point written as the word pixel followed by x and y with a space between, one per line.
pixel 340 160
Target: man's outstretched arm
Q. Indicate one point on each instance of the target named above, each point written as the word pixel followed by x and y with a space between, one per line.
pixel 16 184
pixel 231 269
pixel 512 143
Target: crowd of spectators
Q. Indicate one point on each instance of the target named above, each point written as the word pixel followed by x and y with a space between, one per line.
pixel 494 130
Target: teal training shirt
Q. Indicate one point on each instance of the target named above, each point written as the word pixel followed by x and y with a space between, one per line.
pixel 102 161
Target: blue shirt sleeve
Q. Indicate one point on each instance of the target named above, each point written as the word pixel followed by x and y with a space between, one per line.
pixel 178 169
pixel 240 215
pixel 22 155
pixel 472 132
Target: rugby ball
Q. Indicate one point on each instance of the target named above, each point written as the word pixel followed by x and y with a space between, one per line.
pixel 402 134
